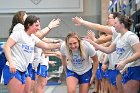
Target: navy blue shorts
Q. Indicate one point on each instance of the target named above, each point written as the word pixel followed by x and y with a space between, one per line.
pixel 100 73
pixel 84 78
pixel 7 75
pixel 30 72
pixel 112 74
pixel 42 71
pixel 133 73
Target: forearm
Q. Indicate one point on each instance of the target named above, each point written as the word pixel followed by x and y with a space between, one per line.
pixel 97 27
pixel 95 66
pixel 7 53
pixel 48 46
pixel 41 34
pixel 134 57
pixel 103 40
pixel 101 48
pixel 47 40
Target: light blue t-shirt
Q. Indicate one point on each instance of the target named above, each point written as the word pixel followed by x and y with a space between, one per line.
pixel 78 64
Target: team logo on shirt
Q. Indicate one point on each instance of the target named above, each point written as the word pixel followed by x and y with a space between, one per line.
pixel 77 61
pixel 27 48
pixel 120 51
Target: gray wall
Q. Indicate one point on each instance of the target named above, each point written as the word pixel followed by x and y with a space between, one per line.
pixel 91 12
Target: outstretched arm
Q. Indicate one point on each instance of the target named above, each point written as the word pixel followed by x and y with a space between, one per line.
pixel 95 66
pixel 105 39
pixel 134 57
pixel 107 50
pixel 79 21
pixel 54 23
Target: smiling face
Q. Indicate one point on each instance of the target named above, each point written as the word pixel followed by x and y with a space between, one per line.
pixel 73 44
pixel 35 27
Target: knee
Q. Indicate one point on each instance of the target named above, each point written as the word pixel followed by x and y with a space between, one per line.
pixel 42 84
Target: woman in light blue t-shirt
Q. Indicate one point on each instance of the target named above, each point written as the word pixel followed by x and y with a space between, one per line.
pixel 127 52
pixel 77 57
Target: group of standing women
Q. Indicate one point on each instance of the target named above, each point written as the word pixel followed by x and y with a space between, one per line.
pixel 78 56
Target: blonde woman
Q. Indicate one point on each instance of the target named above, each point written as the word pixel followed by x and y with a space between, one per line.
pixel 77 64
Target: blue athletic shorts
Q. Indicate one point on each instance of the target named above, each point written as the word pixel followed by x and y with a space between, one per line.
pixel 42 71
pixel 7 75
pixel 84 78
pixel 33 74
pixel 29 71
pixel 100 73
pixel 133 73
pixel 112 74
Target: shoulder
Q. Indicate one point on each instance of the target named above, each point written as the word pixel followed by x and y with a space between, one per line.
pixel 19 26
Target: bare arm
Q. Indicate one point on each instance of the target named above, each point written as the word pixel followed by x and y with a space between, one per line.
pixel 103 40
pixel 47 40
pixel 134 57
pixel 48 46
pixel 107 50
pixel 91 35
pixel 54 23
pixel 95 66
pixel 63 60
pixel 79 21
pixel 136 54
pixel 7 50
pixel 56 54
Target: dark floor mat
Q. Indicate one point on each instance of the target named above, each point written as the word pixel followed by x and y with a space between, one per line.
pixel 54 81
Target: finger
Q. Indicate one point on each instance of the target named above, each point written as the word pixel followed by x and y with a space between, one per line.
pixel 52 20
pixel 59 19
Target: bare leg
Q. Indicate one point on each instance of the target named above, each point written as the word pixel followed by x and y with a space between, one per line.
pixel 84 88
pixel 33 86
pixel 96 85
pixel 119 83
pixel 114 89
pixel 106 86
pixel 17 87
pixel 132 86
pixel 71 84
pixel 27 88
pixel 41 83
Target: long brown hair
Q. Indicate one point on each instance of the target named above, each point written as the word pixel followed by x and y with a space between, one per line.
pixel 17 18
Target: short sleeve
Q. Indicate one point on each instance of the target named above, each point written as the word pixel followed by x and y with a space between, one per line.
pixel 133 39
pixel 16 35
pixel 35 38
pixel 63 49
pixel 90 48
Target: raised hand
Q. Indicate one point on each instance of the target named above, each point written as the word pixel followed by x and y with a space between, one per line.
pixel 91 35
pixel 54 23
pixel 77 20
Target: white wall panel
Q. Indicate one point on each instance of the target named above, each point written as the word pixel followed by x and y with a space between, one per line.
pixel 12 6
